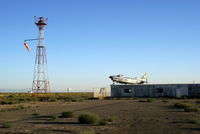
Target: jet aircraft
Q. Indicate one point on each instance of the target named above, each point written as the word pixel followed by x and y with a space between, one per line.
pixel 127 80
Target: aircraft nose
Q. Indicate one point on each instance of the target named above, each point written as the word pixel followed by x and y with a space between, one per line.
pixel 111 77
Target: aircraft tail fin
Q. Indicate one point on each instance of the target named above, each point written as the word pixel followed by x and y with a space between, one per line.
pixel 144 76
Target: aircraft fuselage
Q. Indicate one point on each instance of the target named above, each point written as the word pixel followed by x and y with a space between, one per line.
pixel 128 80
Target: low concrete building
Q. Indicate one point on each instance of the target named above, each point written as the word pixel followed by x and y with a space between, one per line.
pixel 155 90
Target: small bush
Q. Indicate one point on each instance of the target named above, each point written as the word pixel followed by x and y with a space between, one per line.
pixel 44 99
pixel 77 100
pixel 195 121
pixel 52 99
pixel 198 101
pixel 87 132
pixel 112 118
pixel 181 105
pixel 103 122
pixel 12 102
pixel 21 107
pixel 6 125
pixel 187 107
pixel 2 110
pixel 147 100
pixel 36 114
pixel 191 109
pixel 165 101
pixel 54 117
pixel 6 101
pixel 150 100
pixel 142 100
pixel 67 114
pixel 183 97
pixel 88 119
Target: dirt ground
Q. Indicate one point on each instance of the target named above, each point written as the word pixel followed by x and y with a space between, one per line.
pixel 133 117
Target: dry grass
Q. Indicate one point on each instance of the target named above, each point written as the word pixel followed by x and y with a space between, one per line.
pixel 15 98
pixel 187 107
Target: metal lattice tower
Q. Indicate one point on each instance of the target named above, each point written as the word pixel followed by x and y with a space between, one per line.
pixel 40 78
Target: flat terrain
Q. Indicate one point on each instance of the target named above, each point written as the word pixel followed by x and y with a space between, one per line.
pixel 133 117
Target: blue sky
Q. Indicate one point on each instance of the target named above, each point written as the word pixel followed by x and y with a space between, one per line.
pixel 88 40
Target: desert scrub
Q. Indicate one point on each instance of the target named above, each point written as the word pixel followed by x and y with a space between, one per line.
pixel 107 120
pixel 36 114
pixel 191 109
pixel 103 122
pixel 54 117
pixel 165 101
pixel 13 98
pixel 147 100
pixel 6 101
pixel 20 107
pixel 16 98
pixel 67 114
pixel 183 97
pixel 195 121
pixel 6 125
pixel 187 107
pixel 150 100
pixel 77 100
pixel 88 119
pixel 182 105
pixel 87 132
pixel 198 101
pixel 112 118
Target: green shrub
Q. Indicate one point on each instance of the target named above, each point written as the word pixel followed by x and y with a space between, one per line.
pixel 36 114
pixel 6 101
pixel 198 101
pixel 67 114
pixel 142 100
pixel 21 107
pixel 182 105
pixel 183 97
pixel 88 119
pixel 54 117
pixel 112 118
pixel 44 99
pixel 147 100
pixel 187 107
pixel 75 100
pixel 191 109
pixel 64 98
pixel 103 122
pixel 150 100
pixel 87 132
pixel 12 102
pixel 6 125
pixel 195 121
pixel 52 99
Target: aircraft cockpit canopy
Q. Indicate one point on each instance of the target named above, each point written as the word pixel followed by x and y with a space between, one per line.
pixel 119 75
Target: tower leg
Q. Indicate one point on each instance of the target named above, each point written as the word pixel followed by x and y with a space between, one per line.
pixel 40 78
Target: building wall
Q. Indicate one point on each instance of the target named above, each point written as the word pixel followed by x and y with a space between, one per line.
pixel 155 90
pixel 101 92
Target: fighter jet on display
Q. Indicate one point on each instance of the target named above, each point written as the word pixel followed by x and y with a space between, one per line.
pixel 127 80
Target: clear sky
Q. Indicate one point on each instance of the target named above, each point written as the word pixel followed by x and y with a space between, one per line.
pixel 88 40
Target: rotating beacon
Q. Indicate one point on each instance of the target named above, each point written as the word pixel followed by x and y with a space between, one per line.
pixel 40 77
